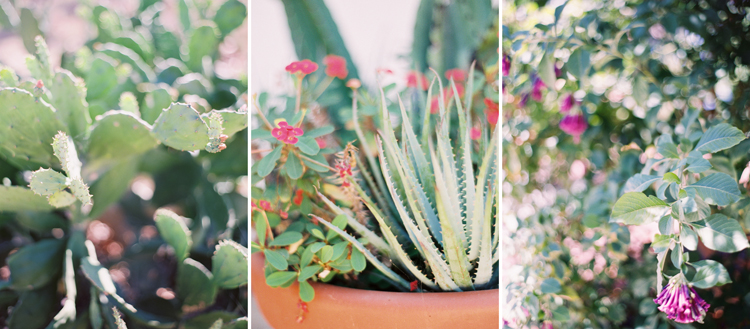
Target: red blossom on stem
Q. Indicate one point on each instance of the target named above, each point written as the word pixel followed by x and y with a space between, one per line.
pixel 449 91
pixel 298 198
pixel 417 80
pixel 475 133
pixel 302 67
pixel 413 285
pixel 344 170
pixel 286 133
pixel 283 214
pixel 335 66
pixel 493 111
pixel 456 74
pixel 265 205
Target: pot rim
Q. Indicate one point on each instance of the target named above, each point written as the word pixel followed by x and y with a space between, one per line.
pixel 488 297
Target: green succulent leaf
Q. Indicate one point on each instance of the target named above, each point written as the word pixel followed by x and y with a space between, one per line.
pixel 275 258
pixel 279 278
pixel 286 238
pixel 229 264
pixel 268 163
pixel 173 229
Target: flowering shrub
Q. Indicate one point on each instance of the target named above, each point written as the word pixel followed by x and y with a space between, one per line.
pixel 625 139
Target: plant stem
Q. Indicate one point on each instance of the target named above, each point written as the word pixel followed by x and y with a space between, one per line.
pixel 316 162
pixel 299 94
pixel 260 113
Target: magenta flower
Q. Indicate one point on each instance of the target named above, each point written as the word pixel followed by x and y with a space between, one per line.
pixel 574 125
pixel 506 66
pixel 524 100
pixel 567 103
pixel 681 303
pixel 286 133
pixel 536 92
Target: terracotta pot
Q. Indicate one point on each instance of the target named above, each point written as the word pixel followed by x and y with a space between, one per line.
pixel 340 307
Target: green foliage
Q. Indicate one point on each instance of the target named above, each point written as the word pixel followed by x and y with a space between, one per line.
pixel 83 137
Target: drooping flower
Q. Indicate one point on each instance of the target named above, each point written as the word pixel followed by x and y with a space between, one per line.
pixel 354 83
pixel 574 125
pixel 567 103
pixel 416 80
pixel 506 66
pixel 456 74
pixel 475 133
pixel 302 67
pixel 492 111
pixel 286 133
pixel 298 198
pixel 681 303
pixel 335 66
pixel 536 92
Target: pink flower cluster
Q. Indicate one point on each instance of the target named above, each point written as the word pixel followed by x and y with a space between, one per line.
pixel 287 133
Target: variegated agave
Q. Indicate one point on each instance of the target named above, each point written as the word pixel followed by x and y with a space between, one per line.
pixel 430 200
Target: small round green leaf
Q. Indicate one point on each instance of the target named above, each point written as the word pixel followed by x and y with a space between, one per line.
pixel 286 239
pixel 306 292
pixel 276 260
pixel 358 260
pixel 278 278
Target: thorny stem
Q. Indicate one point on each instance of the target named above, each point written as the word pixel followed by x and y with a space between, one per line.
pixel 299 94
pixel 316 162
pixel 260 113
pixel 269 232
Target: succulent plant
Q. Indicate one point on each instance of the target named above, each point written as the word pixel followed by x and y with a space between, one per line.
pixel 82 164
pixel 442 202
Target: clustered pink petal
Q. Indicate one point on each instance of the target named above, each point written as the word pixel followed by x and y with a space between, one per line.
pixel 567 103
pixel 304 67
pixel 286 133
pixel 574 125
pixel 681 303
pixel 336 66
pixel 416 80
pixel 434 105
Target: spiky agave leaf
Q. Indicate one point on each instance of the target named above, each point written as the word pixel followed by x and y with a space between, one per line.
pixel 366 233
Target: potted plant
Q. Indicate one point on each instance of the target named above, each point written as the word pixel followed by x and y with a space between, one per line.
pixel 431 193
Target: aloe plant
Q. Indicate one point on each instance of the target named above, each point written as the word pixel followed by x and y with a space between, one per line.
pixel 80 167
pixel 443 203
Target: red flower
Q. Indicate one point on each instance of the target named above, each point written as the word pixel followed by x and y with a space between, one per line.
pixel 335 66
pixel 283 214
pixel 265 205
pixel 449 91
pixel 304 67
pixel 416 80
pixel 456 74
pixel 434 105
pixel 253 206
pixel 298 198
pixel 286 133
pixel 493 111
pixel 413 285
pixel 39 84
pixel 344 169
pixel 321 142
pixel 475 133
